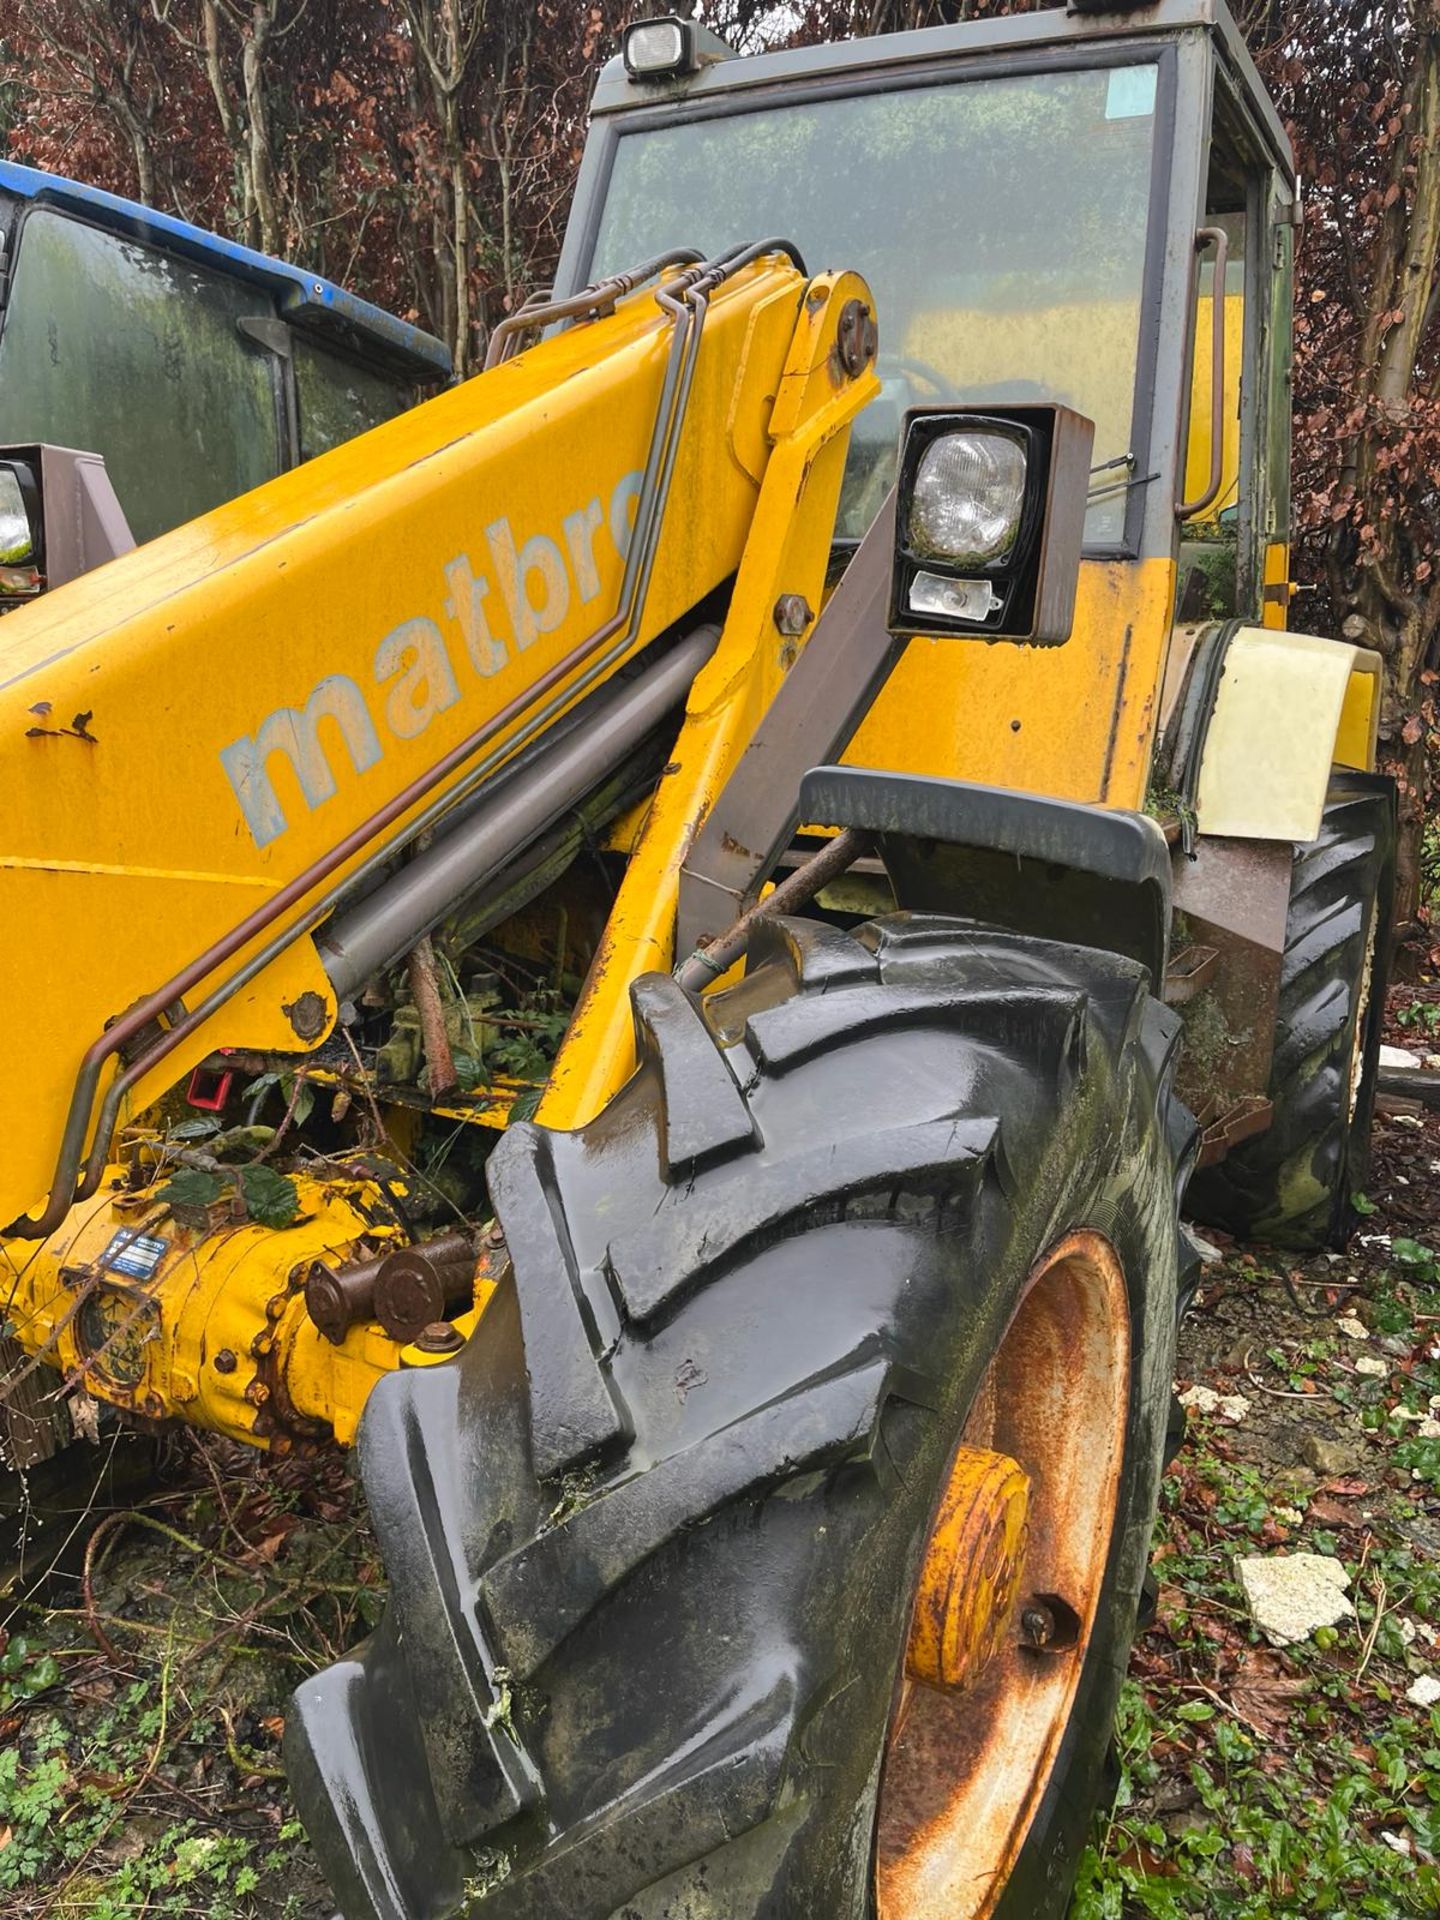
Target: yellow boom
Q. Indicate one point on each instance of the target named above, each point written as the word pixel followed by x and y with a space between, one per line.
pixel 191 735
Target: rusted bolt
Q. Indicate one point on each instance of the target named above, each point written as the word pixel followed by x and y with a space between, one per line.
pixel 495 1236
pixel 439 1337
pixel 792 614
pixel 257 1393
pixel 1037 1623
pixel 855 338
pixel 275 1306
pixel 262 1344
pixel 225 1361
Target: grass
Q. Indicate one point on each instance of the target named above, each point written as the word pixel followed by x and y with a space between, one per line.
pixel 1254 1782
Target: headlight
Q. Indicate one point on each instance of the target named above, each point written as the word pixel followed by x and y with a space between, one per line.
pixel 989 521
pixel 968 497
pixel 20 540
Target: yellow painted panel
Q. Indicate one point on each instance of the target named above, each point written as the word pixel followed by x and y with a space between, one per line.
pixel 1076 721
pixel 1276 613
pixel 787 552
pixel 1198 444
pixel 1360 714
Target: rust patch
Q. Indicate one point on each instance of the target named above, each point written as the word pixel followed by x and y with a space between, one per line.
pixel 307 1014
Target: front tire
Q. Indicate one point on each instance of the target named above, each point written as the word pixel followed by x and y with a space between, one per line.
pixel 654 1538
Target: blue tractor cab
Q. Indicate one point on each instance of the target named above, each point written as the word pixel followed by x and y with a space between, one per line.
pixel 193 367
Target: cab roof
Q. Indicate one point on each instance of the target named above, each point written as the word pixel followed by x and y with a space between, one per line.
pixel 725 74
pixel 314 305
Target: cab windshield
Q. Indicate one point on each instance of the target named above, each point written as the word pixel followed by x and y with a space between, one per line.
pixel 1001 223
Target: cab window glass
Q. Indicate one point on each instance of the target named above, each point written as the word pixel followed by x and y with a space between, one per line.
pixel 339 399
pixel 127 352
pixel 1209 551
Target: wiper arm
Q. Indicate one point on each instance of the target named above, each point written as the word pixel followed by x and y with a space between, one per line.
pixel 1127 461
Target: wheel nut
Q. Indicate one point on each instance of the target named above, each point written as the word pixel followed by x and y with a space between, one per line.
pixel 1037 1624
pixel 1050 1624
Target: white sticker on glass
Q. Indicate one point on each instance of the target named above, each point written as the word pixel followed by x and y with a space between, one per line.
pixel 1130 94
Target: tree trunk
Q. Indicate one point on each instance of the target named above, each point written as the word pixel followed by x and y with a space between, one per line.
pixel 260 159
pixel 1371 567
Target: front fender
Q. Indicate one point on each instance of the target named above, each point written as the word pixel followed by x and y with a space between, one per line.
pixel 1283 709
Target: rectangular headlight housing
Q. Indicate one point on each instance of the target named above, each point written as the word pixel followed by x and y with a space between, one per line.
pixel 990 517
pixel 659 49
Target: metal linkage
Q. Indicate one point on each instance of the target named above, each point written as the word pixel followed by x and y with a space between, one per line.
pixel 707 963
pixel 809 723
pixel 77 1173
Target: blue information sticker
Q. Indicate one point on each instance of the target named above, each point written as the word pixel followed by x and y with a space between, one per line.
pixel 135 1254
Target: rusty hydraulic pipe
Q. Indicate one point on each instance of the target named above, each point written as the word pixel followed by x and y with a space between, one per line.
pixel 796 890
pixel 440 1074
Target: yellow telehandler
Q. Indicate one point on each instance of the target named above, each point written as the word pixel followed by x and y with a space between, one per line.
pixel 672 927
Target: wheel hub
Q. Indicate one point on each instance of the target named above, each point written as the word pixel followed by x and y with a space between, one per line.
pixel 971 1580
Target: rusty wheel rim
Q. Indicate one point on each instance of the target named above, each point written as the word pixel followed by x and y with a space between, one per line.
pixel 1355 1079
pixel 976 1730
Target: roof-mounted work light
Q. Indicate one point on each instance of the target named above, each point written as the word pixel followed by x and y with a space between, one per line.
pixel 660 49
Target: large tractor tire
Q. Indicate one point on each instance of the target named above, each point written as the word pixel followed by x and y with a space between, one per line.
pixel 708 1591
pixel 1292 1185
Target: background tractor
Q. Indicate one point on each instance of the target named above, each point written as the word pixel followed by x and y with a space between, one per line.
pixel 159 370
pixel 709 899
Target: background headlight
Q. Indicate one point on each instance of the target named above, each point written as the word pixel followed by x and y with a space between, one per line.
pixel 968 496
pixel 17 537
